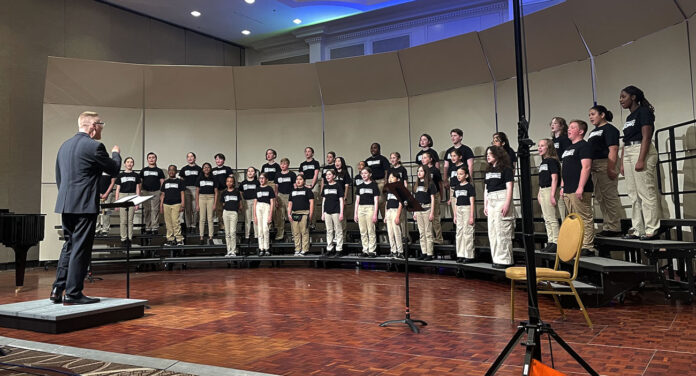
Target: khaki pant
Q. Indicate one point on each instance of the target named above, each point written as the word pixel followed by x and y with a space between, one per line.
pixel 367 228
pixel 334 231
pixel 394 231
pixel 206 204
pixel 500 228
pixel 642 190
pixel 403 222
pixel 126 222
pixel 382 197
pixel 151 210
pixel 104 218
pixel 560 204
pixel 249 219
pixel 263 213
pixel 171 220
pixel 437 226
pixel 300 231
pixel 465 232
pixel 282 213
pixel 584 209
pixel 425 231
pixel 190 213
pixel 606 193
pixel 230 218
pixel 548 211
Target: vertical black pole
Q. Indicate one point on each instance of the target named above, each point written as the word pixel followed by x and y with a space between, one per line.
pixel 526 180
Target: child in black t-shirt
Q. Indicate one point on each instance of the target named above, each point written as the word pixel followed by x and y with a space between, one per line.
pixel 248 187
pixel 171 204
pixel 263 207
pixel 549 181
pixel 463 207
pixel 498 206
pixel 393 217
pixel 366 208
pixel 436 179
pixel 127 183
pixel 232 204
pixel 425 192
pixel 300 210
pixel 332 212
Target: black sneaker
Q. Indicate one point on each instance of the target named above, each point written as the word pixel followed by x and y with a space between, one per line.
pixel 428 258
pixel 421 257
pixel 551 248
pixel 168 243
pixel 372 254
pixel 587 253
pixel 211 242
pixel 608 233
pixel 364 254
pixel 180 242
pixel 468 260
pixel 460 260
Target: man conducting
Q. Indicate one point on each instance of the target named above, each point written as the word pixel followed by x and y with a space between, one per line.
pixel 80 162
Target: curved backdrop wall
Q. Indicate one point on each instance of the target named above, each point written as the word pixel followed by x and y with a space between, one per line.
pixel 344 105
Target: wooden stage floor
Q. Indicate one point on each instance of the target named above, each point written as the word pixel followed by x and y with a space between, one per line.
pixel 302 321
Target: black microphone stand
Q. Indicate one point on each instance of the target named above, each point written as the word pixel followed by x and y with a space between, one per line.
pixel 404 195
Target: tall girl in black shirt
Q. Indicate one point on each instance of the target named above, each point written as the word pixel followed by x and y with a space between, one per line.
pixel 639 165
pixel 549 181
pixel 366 208
pixel 206 197
pixel 392 218
pixel 463 203
pixel 332 212
pixel 127 183
pixel 402 175
pixel 343 178
pixel 425 192
pixel 232 204
pixel 498 206
pixel 248 187
pixel 263 207
pixel 300 210
pixel 437 181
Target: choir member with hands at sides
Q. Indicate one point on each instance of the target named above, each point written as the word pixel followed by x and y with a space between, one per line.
pixel 171 204
pixel 190 174
pixel 379 165
pixel 639 164
pixel 231 206
pixel 436 179
pixel 285 181
pixel 498 186
pixel 401 174
pixel 604 141
pixel 366 208
pixel 576 181
pixel 451 170
pixel 392 218
pixel 206 199
pixel 463 207
pixel 300 210
pixel 343 178
pixel 263 207
pixel 220 172
pixel 271 168
pixel 310 169
pixel 549 181
pixel 151 178
pixel 248 187
pixel 127 183
pixel 560 140
pixel 332 212
pixel 425 192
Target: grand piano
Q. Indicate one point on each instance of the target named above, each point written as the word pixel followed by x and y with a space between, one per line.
pixel 21 232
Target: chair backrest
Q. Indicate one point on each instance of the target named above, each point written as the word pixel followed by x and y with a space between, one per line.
pixel 570 238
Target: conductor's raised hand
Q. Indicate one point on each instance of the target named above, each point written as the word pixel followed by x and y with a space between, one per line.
pixel 116 149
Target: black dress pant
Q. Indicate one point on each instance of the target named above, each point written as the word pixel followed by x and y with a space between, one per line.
pixel 78 230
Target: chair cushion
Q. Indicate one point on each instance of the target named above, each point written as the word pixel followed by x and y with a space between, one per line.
pixel 520 272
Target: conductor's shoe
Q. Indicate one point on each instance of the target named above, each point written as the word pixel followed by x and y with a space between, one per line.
pixel 56 295
pixel 68 300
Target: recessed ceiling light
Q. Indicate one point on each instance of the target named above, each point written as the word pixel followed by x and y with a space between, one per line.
pixel 246 32
pixel 249 1
pixel 196 13
pixel 297 21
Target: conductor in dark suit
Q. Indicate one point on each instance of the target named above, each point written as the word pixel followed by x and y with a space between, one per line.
pixel 80 162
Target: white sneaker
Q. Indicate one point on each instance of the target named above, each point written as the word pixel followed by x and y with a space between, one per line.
pixel 298 254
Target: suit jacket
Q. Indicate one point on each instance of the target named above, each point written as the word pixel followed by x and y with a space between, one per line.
pixel 80 162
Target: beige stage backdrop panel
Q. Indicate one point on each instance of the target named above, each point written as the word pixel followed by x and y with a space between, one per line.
pixel 351 129
pixel 189 87
pixel 287 130
pixel 277 86
pixel 172 133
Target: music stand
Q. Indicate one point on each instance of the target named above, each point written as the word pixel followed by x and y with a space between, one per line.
pixel 127 203
pixel 398 190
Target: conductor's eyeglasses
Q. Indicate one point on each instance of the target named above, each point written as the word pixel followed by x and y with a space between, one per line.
pixel 99 123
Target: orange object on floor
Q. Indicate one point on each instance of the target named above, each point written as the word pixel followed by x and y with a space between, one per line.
pixel 541 369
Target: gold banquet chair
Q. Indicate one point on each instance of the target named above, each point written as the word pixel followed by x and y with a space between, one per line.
pixel 568 250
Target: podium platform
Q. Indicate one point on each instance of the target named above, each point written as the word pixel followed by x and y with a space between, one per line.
pixel 46 317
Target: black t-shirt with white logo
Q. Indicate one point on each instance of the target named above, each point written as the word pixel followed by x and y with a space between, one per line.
pixel 344 179
pixel 400 172
pixel 172 189
pixel 127 181
pixel 150 177
pixel 220 174
pixel 249 188
pixel 463 193
pixel 300 198
pixel 497 180
pixel 358 180
pixel 561 143
pixel 423 194
pixel 548 167
pixel 230 199
pixel 433 156
pixel 271 170
pixel 435 178
pixel 104 182
pixel 392 201
pixel 463 149
pixel 206 185
pixel 367 193
pixel 452 173
pixel 379 166
pixel 327 168
pixel 572 166
pixel 190 174
pixel 285 182
pixel 601 138
pixel 265 194
pixel 308 168
pixel 332 193
pixel 636 120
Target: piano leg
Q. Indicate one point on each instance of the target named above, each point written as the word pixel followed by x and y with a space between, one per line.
pixel 20 265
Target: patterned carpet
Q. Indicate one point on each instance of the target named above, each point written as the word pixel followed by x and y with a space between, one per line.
pixel 19 361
